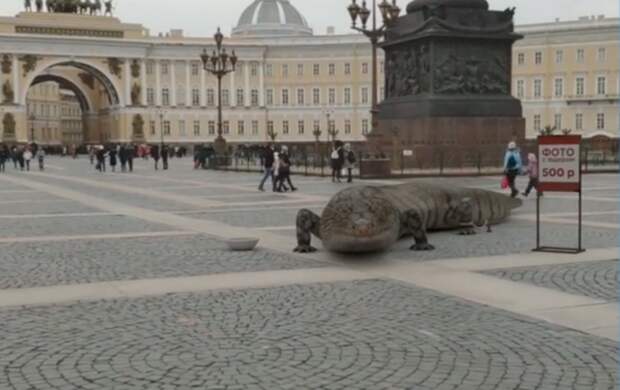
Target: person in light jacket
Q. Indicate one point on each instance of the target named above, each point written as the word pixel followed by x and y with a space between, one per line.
pixel 532 171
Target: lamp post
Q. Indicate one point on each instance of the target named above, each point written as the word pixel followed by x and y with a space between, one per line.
pixel 328 112
pixel 161 112
pixel 219 64
pixel 32 118
pixel 389 14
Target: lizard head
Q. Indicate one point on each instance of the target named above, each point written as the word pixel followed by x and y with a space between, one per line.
pixel 359 219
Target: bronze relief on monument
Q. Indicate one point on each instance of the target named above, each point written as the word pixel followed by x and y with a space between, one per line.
pixel 408 71
pixel 30 63
pixel 7 64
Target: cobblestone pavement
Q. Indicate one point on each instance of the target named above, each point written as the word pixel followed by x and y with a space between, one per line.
pixel 360 335
pixel 598 280
pixel 376 334
pixel 25 265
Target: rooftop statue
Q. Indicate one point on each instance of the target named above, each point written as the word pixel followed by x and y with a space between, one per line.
pixel 80 7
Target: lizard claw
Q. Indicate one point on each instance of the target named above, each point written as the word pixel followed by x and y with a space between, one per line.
pixel 304 249
pixel 422 247
pixel 469 231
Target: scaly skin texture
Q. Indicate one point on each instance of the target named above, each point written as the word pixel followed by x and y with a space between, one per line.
pixel 370 219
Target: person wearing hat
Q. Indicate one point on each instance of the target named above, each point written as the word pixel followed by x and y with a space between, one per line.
pixel 512 167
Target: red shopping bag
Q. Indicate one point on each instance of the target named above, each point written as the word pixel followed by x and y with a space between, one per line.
pixel 504 182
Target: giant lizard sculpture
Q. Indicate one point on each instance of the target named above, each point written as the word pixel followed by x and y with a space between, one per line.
pixel 371 219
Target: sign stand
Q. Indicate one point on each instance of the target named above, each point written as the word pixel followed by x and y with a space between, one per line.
pixel 559 170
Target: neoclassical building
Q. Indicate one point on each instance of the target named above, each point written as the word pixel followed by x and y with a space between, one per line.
pixel 290 80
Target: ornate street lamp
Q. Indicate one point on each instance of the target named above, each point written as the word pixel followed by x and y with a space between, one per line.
pixel 389 14
pixel 219 64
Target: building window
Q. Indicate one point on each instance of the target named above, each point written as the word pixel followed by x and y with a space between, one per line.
pixel 240 97
pixel 601 85
pixel 150 96
pixel 600 121
pixel 210 97
pixel 602 54
pixel 225 97
pixel 195 69
pixel 347 126
pixel 557 121
pixel 284 70
pixel 558 89
pixel 241 127
pixel 521 59
pixel 364 126
pixel 166 127
pixel 165 97
pixel 153 127
pixel 316 96
pixel 537 88
pixel 196 128
pixel 347 68
pixel 316 127
pixel 365 68
pixel 195 97
pixel 332 69
pixel 254 127
pixel 559 56
pixel 300 127
pixel 347 95
pixel 164 68
pixel 301 96
pixel 269 97
pixel 211 127
pixel 579 86
pixel 285 97
pixel 269 127
pixel 331 126
pixel 182 128
pixel 538 58
pixel 226 127
pixel 579 121
pixel 316 69
pixel 365 95
pixel 285 127
pixel 300 69
pixel 149 67
pixel 537 123
pixel 520 89
pixel 269 70
pixel 254 69
pixel 255 97
pixel 581 55
pixel 332 96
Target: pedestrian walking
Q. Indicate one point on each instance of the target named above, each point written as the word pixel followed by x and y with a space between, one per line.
pixel 113 158
pixel 155 155
pixel 13 153
pixel 337 161
pixel 513 166
pixel 27 158
pixel 122 156
pixel 131 154
pixel 532 171
pixel 19 155
pixel 100 156
pixel 284 171
pixel 268 168
pixel 41 159
pixel 165 154
pixel 4 155
pixel 349 162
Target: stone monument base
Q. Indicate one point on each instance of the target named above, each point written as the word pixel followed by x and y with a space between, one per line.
pixel 449 142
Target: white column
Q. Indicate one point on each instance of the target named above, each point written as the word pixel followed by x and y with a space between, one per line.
pixel 232 94
pixel 188 85
pixel 157 83
pixel 261 80
pixel 246 92
pixel 173 83
pixel 143 81
pixel 203 91
pixel 127 76
pixel 16 91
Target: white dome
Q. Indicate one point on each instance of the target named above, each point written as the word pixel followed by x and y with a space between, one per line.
pixel 271 17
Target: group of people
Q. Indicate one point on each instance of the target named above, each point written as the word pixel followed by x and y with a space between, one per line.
pixel 277 166
pixel 342 157
pixel 112 154
pixel 21 156
pixel 513 167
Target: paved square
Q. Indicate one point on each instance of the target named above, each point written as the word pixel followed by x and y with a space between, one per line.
pixel 123 281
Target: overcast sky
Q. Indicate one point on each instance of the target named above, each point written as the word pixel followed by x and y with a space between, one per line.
pixel 201 17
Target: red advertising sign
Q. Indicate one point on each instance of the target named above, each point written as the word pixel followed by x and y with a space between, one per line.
pixel 559 163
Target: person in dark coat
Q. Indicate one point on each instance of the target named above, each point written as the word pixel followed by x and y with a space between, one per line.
pixel 4 155
pixel 165 153
pixel 337 162
pixel 100 156
pixel 155 155
pixel 284 171
pixel 113 160
pixel 268 160
pixel 122 156
pixel 130 155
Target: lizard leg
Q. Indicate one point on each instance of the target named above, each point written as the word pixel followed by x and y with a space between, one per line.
pixel 464 213
pixel 308 223
pixel 414 223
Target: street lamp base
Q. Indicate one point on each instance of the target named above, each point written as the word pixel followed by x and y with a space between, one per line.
pixel 219 145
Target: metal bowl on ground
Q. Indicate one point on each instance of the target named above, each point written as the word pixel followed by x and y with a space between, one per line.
pixel 242 244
